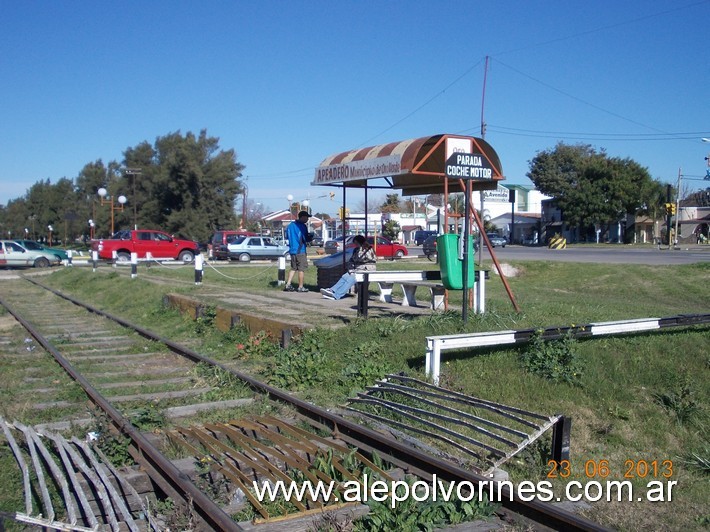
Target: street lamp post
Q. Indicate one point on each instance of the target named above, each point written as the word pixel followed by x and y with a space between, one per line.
pixel 49 230
pixel 32 218
pixel 304 205
pixel 92 225
pixel 135 172
pixel 106 199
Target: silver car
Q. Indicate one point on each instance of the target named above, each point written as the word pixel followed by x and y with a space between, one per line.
pixel 336 246
pixel 14 255
pixel 246 248
pixel 496 240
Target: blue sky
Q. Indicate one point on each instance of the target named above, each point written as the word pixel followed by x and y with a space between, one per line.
pixel 287 83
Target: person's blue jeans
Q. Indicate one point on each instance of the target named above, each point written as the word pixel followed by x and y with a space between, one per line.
pixel 344 284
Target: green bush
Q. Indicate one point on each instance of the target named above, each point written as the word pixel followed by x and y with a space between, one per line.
pixel 555 360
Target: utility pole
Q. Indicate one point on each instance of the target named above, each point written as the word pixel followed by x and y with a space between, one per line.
pixel 483 136
pixel 668 216
pixel 677 208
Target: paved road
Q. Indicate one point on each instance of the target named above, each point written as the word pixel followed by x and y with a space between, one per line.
pixel 612 254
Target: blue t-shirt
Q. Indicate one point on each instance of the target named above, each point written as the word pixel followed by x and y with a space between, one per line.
pixel 297 235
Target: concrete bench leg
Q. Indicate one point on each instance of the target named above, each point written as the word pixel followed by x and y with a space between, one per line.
pixel 438 295
pixel 409 298
pixel 386 292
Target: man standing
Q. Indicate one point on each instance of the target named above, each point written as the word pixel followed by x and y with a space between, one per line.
pixel 298 238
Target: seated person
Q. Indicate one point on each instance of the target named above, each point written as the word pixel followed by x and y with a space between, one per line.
pixel 363 259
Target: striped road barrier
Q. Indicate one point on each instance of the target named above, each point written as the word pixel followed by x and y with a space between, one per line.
pixel 557 242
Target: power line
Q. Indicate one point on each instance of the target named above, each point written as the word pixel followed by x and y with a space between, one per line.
pixel 645 137
pixel 601 28
pixel 541 134
pixel 437 95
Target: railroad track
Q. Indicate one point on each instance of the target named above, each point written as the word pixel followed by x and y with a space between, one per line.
pixel 123 368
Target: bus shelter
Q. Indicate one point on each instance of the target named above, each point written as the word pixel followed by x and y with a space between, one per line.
pixel 439 164
pixel 415 166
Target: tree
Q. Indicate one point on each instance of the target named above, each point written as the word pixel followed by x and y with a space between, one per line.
pixel 391 204
pixel 592 189
pixel 699 198
pixel 187 186
pixel 391 229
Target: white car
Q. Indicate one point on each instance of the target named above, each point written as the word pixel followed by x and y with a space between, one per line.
pixel 246 248
pixel 13 254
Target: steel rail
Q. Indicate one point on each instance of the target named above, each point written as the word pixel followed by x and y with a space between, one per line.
pixel 148 455
pixel 546 514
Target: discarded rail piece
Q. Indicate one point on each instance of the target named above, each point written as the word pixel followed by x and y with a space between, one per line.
pixel 83 479
pixel 480 434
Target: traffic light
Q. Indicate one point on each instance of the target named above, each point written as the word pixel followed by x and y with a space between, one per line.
pixel 343 213
pixel 670 208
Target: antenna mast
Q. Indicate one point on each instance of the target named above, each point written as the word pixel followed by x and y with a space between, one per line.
pixel 483 100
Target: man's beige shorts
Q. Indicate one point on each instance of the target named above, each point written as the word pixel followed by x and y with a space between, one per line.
pixel 299 262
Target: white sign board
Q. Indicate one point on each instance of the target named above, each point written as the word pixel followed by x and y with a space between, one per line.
pixel 500 194
pixel 356 170
pixel 472 166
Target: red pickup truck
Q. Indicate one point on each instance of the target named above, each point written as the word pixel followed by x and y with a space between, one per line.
pixel 143 241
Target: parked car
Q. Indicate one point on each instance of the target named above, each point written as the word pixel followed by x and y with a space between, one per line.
pixel 429 248
pixel 246 248
pixel 36 246
pixel 220 239
pixel 13 254
pixel 496 240
pixel 317 241
pixel 384 247
pixel 430 251
pixel 421 236
pixel 144 243
pixel 336 245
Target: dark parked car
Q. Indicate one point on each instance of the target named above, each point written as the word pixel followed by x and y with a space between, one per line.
pixel 429 248
pixel 421 236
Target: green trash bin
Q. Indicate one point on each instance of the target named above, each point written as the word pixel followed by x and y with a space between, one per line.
pixel 447 247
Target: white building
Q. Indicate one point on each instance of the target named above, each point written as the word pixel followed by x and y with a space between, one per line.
pixel 524 214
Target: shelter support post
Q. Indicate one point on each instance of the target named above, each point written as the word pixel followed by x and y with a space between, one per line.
pixel 482 230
